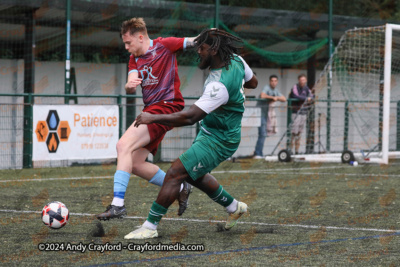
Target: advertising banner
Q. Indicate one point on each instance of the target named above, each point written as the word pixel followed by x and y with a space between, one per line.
pixel 65 132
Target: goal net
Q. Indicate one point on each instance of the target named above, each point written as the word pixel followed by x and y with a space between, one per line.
pixel 357 98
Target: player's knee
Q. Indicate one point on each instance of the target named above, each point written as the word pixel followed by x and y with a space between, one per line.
pixel 175 175
pixel 122 147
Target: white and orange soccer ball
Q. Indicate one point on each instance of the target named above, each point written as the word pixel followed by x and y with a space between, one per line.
pixel 55 215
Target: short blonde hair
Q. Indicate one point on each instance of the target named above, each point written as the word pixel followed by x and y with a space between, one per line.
pixel 133 25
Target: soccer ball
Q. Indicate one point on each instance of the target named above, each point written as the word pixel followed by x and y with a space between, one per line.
pixel 55 215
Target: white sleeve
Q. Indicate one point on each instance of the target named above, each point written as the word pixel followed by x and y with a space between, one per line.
pixel 215 95
pixel 248 73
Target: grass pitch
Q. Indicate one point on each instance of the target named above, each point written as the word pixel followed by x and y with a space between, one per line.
pixel 301 214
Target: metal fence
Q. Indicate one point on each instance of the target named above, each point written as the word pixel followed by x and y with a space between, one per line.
pixel 16 128
pixel 349 128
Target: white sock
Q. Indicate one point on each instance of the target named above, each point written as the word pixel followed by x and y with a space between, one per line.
pixel 181 188
pixel 232 207
pixel 149 225
pixel 119 202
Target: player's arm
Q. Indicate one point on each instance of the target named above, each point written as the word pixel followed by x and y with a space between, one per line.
pixel 214 95
pixel 175 44
pixel 133 82
pixel 252 83
pixel 190 42
pixel 250 79
pixel 133 76
pixel 178 119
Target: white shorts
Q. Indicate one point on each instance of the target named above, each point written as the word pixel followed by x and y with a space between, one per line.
pixel 298 122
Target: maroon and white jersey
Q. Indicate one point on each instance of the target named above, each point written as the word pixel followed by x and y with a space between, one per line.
pixel 158 70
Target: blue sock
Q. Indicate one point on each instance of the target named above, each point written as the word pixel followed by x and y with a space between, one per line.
pixel 158 178
pixel 121 180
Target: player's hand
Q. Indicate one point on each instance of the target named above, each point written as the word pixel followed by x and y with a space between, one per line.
pixel 143 118
pixel 130 86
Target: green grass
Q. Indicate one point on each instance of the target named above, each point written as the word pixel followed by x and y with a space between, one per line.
pixel 281 198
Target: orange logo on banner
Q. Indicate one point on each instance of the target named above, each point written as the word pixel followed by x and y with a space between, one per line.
pixel 41 131
pixel 63 131
pixel 52 131
pixel 52 142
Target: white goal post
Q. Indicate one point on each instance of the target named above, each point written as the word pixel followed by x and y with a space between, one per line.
pixel 359 91
pixel 386 91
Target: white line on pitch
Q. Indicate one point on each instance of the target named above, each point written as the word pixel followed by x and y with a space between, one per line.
pixel 348 174
pixel 216 221
pixel 51 179
pixel 216 172
pixel 213 172
pixel 280 169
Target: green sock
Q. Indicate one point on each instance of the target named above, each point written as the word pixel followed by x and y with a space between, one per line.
pixel 221 197
pixel 156 213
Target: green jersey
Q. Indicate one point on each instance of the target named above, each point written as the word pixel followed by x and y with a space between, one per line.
pixel 223 101
pixel 224 89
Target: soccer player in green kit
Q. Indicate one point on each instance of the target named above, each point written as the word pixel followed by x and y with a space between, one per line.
pixel 220 110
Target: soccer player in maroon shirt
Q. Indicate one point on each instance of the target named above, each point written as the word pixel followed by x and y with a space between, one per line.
pixel 152 65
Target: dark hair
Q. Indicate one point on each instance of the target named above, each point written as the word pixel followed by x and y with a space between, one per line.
pixel 302 75
pixel 273 76
pixel 224 43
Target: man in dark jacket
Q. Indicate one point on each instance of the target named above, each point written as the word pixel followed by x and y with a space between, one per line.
pixel 300 110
